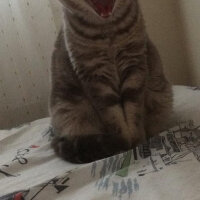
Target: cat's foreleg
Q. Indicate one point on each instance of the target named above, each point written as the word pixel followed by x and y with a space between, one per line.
pixel 133 73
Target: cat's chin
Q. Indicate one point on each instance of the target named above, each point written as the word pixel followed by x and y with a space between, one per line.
pixel 103 8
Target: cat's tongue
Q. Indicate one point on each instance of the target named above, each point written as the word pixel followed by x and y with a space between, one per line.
pixel 103 7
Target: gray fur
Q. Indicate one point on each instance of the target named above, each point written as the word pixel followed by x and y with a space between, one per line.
pixel 107 83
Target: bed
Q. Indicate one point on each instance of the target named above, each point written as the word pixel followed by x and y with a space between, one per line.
pixel 166 168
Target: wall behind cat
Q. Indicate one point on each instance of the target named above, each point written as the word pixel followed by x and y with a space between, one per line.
pixel 27 36
pixel 164 26
pixel 190 23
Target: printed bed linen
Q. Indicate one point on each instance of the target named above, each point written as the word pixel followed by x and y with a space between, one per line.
pixel 166 168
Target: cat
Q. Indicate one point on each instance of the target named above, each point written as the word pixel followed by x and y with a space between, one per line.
pixel 109 92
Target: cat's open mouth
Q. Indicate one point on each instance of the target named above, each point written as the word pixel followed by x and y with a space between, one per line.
pixel 103 7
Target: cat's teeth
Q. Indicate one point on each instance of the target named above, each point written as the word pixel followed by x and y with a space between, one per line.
pixel 107 15
pixel 103 15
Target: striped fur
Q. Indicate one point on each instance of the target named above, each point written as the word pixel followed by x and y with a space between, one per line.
pixel 108 88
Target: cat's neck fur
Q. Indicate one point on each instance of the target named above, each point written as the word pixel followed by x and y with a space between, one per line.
pixel 124 26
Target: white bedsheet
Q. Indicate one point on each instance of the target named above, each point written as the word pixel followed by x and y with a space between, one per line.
pixel 166 168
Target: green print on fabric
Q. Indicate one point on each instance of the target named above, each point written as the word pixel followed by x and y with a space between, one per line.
pixel 123 172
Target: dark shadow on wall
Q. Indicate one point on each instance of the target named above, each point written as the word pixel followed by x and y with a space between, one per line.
pixel 164 26
pixel 185 40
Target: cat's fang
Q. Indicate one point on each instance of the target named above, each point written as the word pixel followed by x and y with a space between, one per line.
pixel 107 15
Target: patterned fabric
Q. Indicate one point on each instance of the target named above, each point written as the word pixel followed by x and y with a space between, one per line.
pixel 166 167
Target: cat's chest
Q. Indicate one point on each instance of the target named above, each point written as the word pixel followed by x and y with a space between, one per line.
pixel 111 54
pixel 108 62
pixel 114 64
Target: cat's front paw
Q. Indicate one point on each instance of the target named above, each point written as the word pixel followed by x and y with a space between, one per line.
pixel 138 137
pixel 85 149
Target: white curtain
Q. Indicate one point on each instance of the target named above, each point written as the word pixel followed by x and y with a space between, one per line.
pixel 28 29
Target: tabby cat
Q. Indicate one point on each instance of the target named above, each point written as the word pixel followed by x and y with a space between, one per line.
pixel 109 92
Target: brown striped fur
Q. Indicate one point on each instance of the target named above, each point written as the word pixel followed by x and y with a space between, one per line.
pixel 109 91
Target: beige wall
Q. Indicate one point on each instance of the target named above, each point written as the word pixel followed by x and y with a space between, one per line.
pixel 163 25
pixel 27 36
pixel 57 12
pixel 174 26
pixel 190 24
